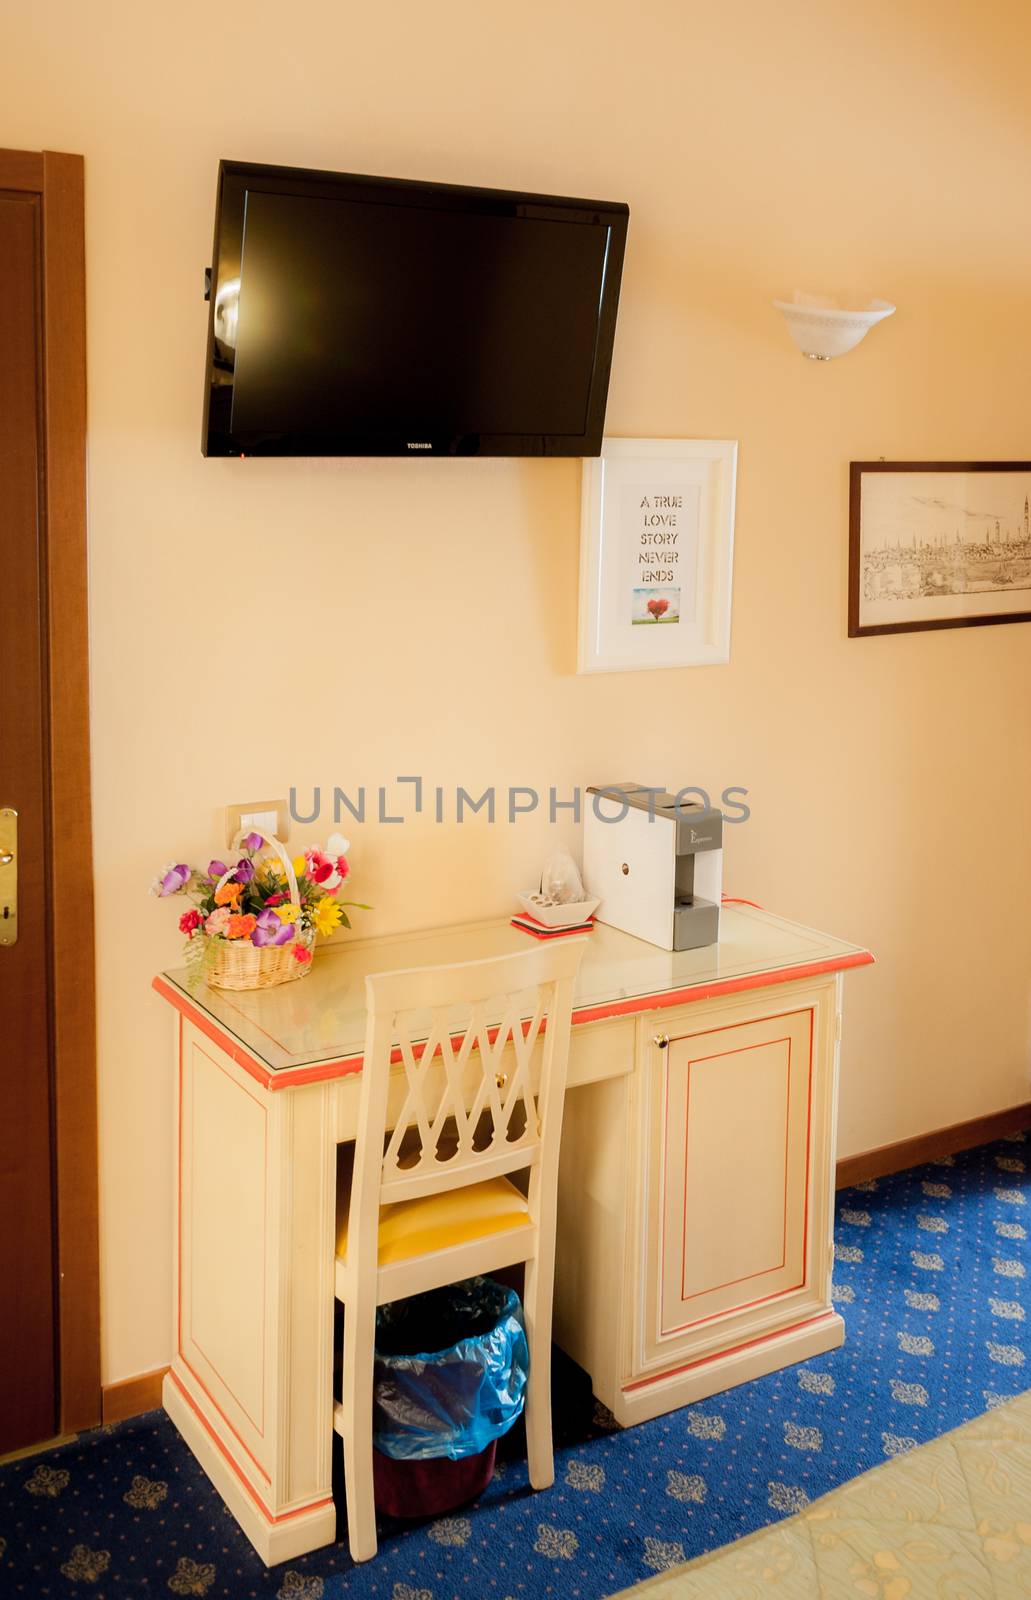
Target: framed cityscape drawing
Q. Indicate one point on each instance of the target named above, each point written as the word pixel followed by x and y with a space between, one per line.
pixel 938 544
pixel 656 554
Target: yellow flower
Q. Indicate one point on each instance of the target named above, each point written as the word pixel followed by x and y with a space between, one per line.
pixel 300 866
pixel 326 915
pixel 270 870
pixel 288 913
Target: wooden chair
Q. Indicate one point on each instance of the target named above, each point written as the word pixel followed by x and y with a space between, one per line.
pixel 431 1202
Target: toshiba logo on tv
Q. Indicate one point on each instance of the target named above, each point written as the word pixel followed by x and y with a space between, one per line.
pixel 420 447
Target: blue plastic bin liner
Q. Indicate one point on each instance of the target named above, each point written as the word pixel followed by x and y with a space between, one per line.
pixel 450 1372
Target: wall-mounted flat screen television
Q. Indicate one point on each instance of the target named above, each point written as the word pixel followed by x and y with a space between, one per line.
pixel 356 316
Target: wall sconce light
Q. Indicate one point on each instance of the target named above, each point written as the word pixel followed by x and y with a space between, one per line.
pixel 823 328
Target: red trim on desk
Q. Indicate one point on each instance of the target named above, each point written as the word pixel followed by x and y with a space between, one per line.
pixel 317 1074
pixel 719 986
pixel 288 1077
pixel 284 1516
pixel 721 1355
pixel 201 1020
pixel 209 1397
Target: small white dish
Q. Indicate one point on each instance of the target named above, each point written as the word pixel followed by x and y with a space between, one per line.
pixel 553 914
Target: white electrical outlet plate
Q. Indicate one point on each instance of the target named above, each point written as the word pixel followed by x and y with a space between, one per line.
pixel 267 816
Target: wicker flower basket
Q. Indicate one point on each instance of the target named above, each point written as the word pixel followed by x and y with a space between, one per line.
pixel 239 964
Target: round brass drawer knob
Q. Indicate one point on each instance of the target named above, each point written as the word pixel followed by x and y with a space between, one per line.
pixel 661 1039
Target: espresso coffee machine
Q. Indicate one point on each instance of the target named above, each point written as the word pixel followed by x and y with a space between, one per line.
pixel 656 865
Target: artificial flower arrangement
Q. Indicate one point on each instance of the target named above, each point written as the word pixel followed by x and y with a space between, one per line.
pixel 254 921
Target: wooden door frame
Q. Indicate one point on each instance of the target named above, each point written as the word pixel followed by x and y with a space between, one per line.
pixel 58 180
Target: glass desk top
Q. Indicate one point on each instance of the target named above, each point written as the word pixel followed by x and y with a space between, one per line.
pixel 321 1018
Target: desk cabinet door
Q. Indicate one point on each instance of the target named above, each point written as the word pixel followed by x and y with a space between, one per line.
pixel 731 1115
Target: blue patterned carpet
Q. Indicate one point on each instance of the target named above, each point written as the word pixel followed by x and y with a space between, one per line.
pixel 931 1278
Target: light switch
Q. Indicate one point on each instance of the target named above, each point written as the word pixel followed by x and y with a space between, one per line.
pixel 265 816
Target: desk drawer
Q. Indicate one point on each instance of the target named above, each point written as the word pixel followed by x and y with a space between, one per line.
pixel 600 1050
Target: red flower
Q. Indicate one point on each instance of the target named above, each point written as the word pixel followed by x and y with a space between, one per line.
pixel 343 867
pixel 320 867
pixel 276 899
pixel 189 922
pixel 301 954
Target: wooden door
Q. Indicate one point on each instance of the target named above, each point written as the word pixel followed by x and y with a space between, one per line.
pixel 28 1406
pixel 49 1248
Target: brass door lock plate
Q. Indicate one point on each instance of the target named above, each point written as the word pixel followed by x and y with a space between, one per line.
pixel 8 876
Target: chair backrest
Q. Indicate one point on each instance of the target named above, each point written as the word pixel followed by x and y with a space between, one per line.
pixel 464 1106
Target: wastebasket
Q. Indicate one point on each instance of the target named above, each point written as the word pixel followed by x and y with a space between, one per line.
pixel 449 1381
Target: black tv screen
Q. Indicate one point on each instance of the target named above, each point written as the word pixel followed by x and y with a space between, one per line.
pixel 374 316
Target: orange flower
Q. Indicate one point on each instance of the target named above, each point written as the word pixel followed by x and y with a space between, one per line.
pixel 228 895
pixel 240 927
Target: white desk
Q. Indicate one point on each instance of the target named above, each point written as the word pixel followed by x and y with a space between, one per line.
pixel 695 1205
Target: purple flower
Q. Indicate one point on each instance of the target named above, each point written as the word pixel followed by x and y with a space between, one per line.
pixel 253 841
pixel 244 872
pixel 174 879
pixel 217 869
pixel 269 930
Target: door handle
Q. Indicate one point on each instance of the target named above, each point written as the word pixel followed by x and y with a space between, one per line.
pixel 8 876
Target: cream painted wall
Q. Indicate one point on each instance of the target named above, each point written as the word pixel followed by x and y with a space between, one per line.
pixel 419 616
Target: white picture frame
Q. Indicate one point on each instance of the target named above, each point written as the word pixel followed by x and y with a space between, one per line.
pixel 656 554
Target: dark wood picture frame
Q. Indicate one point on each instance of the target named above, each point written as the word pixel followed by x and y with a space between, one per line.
pixel 58 179
pixel 857 469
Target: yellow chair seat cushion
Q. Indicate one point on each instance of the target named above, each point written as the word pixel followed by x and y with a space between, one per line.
pixel 457 1216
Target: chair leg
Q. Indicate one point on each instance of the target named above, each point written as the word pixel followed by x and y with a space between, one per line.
pixel 537 1297
pixel 359 1340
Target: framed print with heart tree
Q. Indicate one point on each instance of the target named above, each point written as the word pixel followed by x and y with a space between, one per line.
pixel 656 554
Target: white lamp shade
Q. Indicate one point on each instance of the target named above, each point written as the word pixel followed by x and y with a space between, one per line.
pixel 823 328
